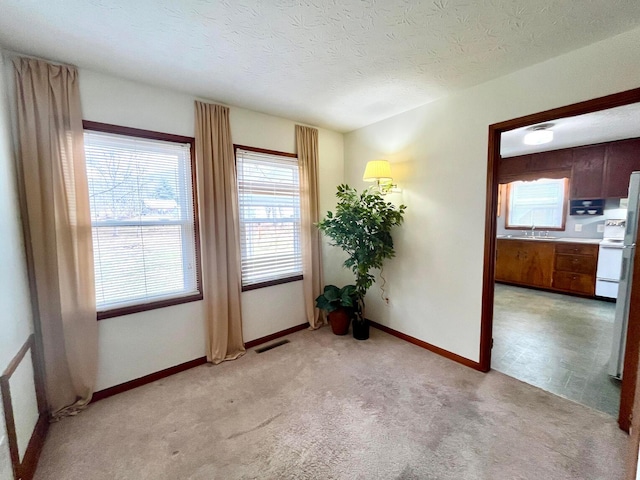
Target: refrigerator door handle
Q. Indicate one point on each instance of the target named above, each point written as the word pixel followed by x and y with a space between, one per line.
pixel 627 258
pixel 623 268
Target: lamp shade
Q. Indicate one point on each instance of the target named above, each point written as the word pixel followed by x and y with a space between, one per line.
pixel 377 170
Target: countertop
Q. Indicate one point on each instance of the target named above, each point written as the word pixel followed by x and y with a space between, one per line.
pixel 593 241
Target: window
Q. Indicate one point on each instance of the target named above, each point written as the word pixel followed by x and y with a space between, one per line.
pixel 540 203
pixel 143 217
pixel 269 200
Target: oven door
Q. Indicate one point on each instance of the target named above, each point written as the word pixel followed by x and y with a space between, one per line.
pixel 609 263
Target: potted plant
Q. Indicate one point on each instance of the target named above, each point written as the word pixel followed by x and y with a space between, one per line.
pixel 362 226
pixel 339 303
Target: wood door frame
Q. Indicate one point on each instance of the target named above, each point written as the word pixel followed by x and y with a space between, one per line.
pixel 632 392
pixel 488 279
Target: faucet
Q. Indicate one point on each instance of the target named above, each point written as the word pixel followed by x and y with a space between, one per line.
pixel 533 230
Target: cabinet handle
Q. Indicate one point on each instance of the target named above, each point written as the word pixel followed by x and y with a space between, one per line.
pixel 574 277
pixel 575 260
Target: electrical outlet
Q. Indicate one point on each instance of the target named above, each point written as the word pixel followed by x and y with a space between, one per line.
pixel 578 227
pixel 601 228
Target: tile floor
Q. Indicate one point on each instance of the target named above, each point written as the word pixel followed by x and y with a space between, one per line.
pixel 556 342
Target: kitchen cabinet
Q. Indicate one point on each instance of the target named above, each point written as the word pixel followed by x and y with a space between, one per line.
pixel 587 172
pixel 523 166
pixel 597 171
pixel 550 161
pixel 574 283
pixel 525 262
pixel 512 168
pixel 622 158
pixel 556 266
pixel 508 264
pixel 575 268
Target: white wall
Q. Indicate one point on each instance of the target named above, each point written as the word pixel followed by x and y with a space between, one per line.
pixel 439 155
pixel 136 345
pixel 15 312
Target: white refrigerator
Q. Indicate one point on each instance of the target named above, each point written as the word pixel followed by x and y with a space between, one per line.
pixel 616 362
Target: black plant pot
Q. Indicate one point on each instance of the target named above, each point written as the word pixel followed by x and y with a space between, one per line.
pixel 360 329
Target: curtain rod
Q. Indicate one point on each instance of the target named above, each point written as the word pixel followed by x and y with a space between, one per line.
pixel 12 54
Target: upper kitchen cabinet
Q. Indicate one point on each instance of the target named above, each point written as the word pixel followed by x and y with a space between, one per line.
pixel 588 171
pixel 551 161
pixel 512 168
pixel 532 167
pixel 622 158
pixel 596 171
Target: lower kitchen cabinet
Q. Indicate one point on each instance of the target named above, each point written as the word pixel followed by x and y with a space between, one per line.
pixel 585 264
pixel 558 266
pixel 525 262
pixel 574 283
pixel 508 264
pixel 575 268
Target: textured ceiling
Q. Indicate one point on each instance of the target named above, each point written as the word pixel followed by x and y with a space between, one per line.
pixel 604 126
pixel 341 64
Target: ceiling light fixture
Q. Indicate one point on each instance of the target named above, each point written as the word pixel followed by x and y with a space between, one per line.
pixel 539 135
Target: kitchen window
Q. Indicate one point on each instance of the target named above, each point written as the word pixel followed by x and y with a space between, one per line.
pixel 540 203
pixel 269 201
pixel 143 217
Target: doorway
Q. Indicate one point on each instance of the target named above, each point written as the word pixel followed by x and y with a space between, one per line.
pixel 561 224
pixel 633 334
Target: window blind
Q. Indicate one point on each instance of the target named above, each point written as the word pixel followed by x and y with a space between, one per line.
pixel 269 201
pixel 142 214
pixel 538 203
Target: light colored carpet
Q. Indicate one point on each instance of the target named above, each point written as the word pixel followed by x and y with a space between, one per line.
pixel 328 407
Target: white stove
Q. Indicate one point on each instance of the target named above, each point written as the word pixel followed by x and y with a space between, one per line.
pixel 610 259
pixel 612 242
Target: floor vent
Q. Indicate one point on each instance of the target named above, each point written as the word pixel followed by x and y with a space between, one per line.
pixel 272 346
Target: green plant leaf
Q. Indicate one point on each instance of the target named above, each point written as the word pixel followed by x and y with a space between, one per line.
pixel 323 304
pixel 361 226
pixel 331 293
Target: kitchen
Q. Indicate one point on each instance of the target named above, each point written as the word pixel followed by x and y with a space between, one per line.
pixel 559 311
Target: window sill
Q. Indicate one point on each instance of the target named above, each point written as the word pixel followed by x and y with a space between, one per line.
pixel 143 307
pixel 271 283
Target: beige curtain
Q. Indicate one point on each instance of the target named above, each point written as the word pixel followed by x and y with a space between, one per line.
pixel 58 228
pixel 219 231
pixel 313 283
